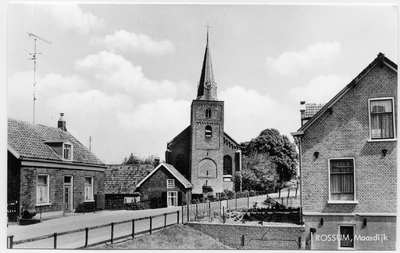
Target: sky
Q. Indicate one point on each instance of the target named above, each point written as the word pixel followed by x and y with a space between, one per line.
pixel 125 74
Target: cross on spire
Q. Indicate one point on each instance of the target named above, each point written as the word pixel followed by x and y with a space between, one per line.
pixel 208 27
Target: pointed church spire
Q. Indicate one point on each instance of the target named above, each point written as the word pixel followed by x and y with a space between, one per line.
pixel 207 89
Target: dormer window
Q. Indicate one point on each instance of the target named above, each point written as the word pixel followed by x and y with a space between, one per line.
pixel 67 151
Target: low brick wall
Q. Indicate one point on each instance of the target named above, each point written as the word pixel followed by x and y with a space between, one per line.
pixel 256 237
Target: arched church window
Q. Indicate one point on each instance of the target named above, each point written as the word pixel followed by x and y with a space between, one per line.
pixel 180 164
pixel 227 165
pixel 208 132
pixel 208 113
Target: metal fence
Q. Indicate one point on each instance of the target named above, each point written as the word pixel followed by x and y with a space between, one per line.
pixel 92 236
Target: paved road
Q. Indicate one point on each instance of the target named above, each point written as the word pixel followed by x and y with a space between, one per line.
pixel 76 240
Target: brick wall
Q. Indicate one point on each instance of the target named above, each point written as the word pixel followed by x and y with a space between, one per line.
pixel 56 184
pixel 345 133
pixel 256 237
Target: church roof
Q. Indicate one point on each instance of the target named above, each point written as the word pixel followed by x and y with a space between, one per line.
pixel 207 88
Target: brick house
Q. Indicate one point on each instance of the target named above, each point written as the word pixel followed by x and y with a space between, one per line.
pixel 203 152
pixel 348 164
pixel 49 170
pixel 165 186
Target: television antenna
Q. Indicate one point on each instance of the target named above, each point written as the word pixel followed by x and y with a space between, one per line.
pixel 34 68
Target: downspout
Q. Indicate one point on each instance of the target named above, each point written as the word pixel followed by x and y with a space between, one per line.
pixel 301 181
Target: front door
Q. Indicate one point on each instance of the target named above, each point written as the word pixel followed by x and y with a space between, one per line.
pixel 68 204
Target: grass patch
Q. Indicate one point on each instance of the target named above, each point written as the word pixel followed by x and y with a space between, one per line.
pixel 176 237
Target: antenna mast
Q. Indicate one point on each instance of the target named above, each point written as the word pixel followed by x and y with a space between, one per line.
pixel 34 69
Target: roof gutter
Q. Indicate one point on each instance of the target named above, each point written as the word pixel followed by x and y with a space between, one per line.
pixel 30 162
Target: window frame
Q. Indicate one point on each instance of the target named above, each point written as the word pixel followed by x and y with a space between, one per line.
pixel 47 189
pixel 70 151
pixel 170 197
pixel 208 113
pixel 169 184
pixel 91 194
pixel 231 165
pixel 354 201
pixel 370 139
pixel 340 247
pixel 208 132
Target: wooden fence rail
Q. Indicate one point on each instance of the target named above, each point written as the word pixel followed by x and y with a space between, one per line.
pixel 11 243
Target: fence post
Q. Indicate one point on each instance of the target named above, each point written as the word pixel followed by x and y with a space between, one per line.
pixel 282 201
pixel 288 193
pixel 220 205
pixel 133 228
pixel 177 217
pixel 112 232
pixel 196 211
pixel 296 193
pixel 209 209
pixel 227 203
pixel 223 214
pixel 55 240
pixel 165 220
pixel 151 223
pixel 182 214
pixel 188 218
pixel 242 242
pixel 11 241
pixel 279 192
pixel 299 242
pixel 248 199
pixel 235 202
pixel 86 237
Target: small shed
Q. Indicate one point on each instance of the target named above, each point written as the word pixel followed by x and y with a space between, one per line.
pixel 165 186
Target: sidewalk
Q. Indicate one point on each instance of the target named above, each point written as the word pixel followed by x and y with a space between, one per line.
pixel 81 221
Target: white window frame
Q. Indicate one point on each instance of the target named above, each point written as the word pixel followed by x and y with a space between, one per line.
pixel 370 120
pixel 330 201
pixel 47 190
pixel 170 183
pixel 354 236
pixel 169 198
pixel 89 196
pixel 71 151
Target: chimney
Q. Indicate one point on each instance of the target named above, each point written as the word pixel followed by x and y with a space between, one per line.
pixel 156 161
pixel 61 123
pixel 302 111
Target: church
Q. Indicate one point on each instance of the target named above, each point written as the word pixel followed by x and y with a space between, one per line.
pixel 203 152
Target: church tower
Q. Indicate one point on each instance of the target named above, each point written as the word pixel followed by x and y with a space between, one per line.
pixel 207 130
pixel 203 153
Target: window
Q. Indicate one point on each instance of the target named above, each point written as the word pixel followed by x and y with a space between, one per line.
pixel 208 113
pixel 381 119
pixel 346 237
pixel 208 132
pixel 170 183
pixel 342 180
pixel 227 165
pixel 42 189
pixel 67 151
pixel 88 188
pixel 172 198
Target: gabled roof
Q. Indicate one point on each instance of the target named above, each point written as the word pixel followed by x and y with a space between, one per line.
pixel 172 170
pixel 123 179
pixel 380 59
pixel 26 140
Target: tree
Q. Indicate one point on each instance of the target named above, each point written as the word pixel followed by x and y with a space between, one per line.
pixel 134 159
pixel 280 152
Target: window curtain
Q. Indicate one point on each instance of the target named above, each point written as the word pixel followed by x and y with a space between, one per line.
pixel 342 180
pixel 381 119
pixel 41 190
pixel 88 189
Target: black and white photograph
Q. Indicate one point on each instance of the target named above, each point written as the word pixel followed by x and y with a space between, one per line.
pixel 266 125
